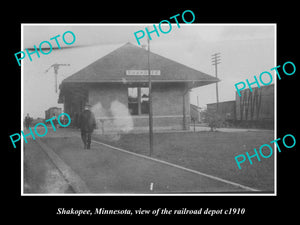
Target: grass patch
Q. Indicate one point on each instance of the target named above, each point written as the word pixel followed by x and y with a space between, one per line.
pixel 209 152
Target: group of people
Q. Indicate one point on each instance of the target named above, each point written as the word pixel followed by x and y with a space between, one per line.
pixel 86 122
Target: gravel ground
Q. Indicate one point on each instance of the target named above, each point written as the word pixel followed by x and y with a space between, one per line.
pixel 108 171
pixel 105 170
pixel 40 174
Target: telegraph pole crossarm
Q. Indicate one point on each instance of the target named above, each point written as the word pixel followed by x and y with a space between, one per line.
pixel 55 68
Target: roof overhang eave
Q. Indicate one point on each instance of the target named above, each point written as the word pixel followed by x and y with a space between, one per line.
pixel 138 81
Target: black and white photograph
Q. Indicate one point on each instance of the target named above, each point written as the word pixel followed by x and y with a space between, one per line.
pixel 131 112
pixel 154 109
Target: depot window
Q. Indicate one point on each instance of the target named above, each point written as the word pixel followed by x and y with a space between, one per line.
pixel 138 100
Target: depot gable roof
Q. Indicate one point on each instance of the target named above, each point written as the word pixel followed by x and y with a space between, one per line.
pixel 113 66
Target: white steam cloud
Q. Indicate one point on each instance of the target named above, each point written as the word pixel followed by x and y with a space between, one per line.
pixel 112 121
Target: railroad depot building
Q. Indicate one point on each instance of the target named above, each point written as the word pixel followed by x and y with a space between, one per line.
pixel 116 86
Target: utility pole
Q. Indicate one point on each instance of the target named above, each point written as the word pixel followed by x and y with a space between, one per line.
pixel 215 61
pixel 55 67
pixel 150 103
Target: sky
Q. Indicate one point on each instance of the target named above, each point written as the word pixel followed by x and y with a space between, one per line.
pixel 245 49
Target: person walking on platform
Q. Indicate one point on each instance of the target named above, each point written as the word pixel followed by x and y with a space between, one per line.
pixel 87 124
pixel 27 121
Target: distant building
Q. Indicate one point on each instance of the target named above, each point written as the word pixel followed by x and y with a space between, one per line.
pixel 195 113
pixel 225 109
pixel 116 86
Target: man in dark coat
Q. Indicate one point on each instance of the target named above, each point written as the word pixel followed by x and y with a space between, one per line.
pixel 87 124
pixel 27 121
